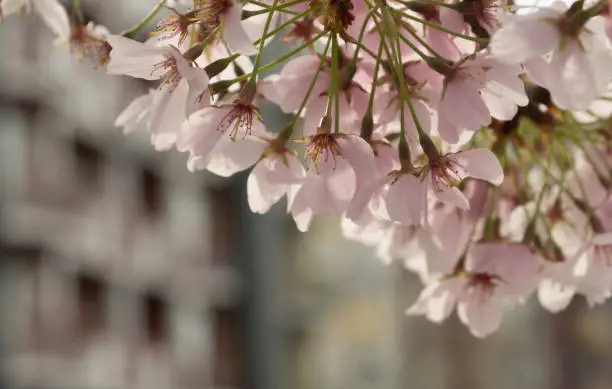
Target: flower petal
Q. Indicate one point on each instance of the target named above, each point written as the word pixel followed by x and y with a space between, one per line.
pixel 234 33
pixel 233 156
pixel 555 296
pixel 481 312
pixel 482 164
pixel 55 17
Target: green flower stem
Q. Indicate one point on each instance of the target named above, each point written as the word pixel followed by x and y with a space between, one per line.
pixel 77 14
pixel 265 11
pixel 263 41
pixel 132 31
pixel 282 26
pixel 267 6
pixel 278 60
pixel 362 32
pixel 335 87
pixel 440 28
pixel 420 40
pixel 375 77
pixel 312 84
pixel 428 2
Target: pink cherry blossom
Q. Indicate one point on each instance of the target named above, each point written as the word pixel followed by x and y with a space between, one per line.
pixel 340 163
pixel 181 90
pixel 446 171
pixel 473 91
pixel 497 276
pixel 574 65
pixel 444 242
pixel 202 131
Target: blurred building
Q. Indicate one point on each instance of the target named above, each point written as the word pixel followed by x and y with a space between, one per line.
pixel 118 265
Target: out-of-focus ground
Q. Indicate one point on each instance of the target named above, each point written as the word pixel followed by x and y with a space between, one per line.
pixel 120 269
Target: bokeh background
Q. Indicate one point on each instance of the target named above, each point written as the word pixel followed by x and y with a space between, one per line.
pixel 120 269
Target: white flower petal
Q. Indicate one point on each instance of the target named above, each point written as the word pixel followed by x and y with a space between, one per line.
pixel 482 164
pixel 555 296
pixel 55 17
pixel 234 33
pixel 481 312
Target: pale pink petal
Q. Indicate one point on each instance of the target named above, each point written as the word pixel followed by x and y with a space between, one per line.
pixel 482 164
pixel 525 37
pixel 55 17
pixel 481 313
pixel 363 195
pixel 403 200
pixel 315 109
pixel 9 7
pixel 436 302
pixel 168 112
pixel 134 113
pixel 359 155
pixel 452 19
pixel 448 131
pixel 450 195
pixel 608 27
pixel 463 106
pixel 199 133
pixel 234 34
pixel 577 78
pixel 235 155
pixel 442 43
pixel 603 239
pixel 541 72
pixel 555 296
pixel 131 58
pixel 261 193
pixel 423 115
pixel 301 212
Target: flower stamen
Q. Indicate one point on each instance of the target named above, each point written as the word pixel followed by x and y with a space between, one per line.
pixel 171 77
pixel 323 145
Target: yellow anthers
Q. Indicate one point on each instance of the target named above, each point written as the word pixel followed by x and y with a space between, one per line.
pixel 240 116
pixel 171 77
pixel 322 145
pixel 175 25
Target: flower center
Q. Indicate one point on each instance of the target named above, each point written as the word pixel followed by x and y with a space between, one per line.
pixel 208 13
pixel 338 16
pixel 240 116
pixel 446 173
pixel 175 25
pixel 322 145
pixel 171 77
pixel 483 283
pixel 84 45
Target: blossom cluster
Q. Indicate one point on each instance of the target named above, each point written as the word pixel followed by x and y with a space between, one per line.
pixel 469 139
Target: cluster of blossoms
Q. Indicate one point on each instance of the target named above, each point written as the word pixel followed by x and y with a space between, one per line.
pixel 469 139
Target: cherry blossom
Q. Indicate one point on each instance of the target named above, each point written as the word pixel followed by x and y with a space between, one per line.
pixel 497 276
pixel 446 171
pixel 339 163
pixel 181 88
pixel 560 52
pixel 473 91
pixel 238 123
